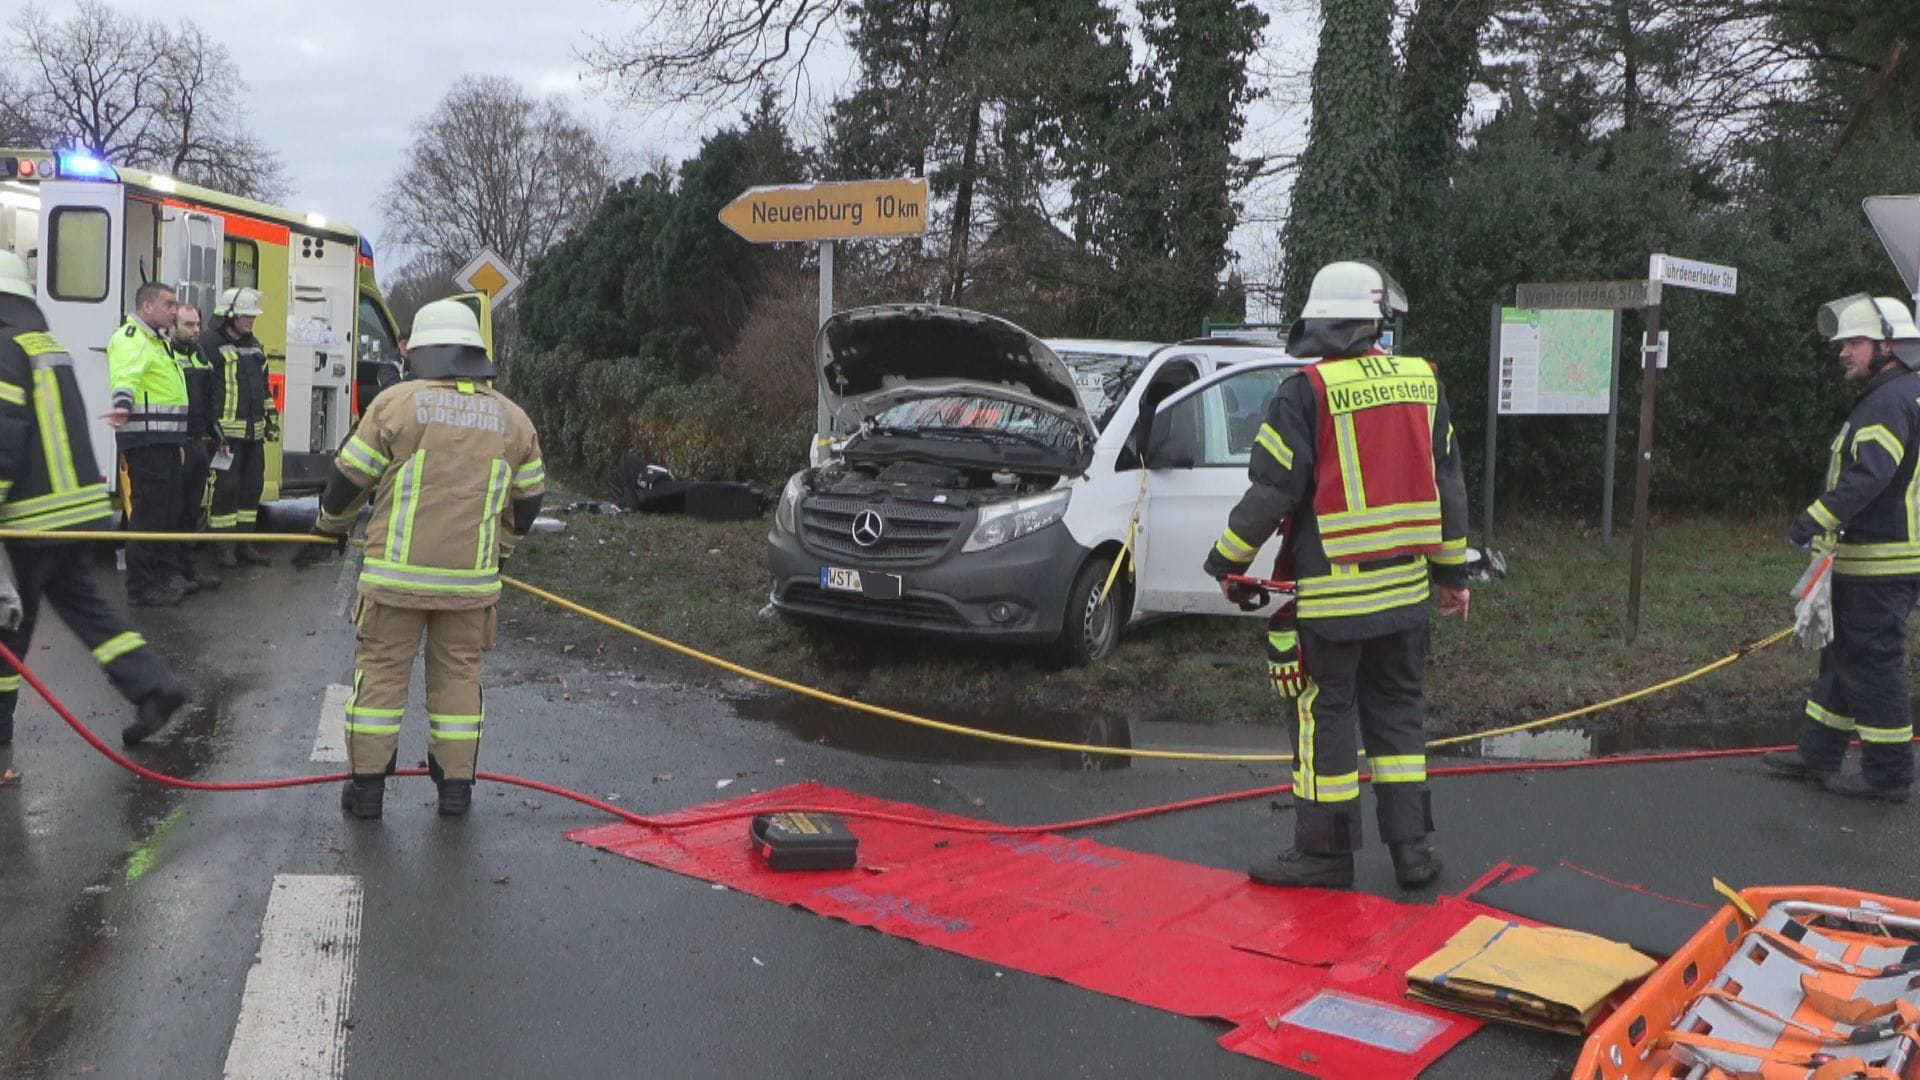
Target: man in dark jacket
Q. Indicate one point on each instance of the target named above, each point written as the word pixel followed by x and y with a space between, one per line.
pixel 49 482
pixel 203 440
pixel 1867 518
pixel 247 418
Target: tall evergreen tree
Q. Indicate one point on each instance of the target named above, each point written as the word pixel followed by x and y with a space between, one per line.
pixel 1343 196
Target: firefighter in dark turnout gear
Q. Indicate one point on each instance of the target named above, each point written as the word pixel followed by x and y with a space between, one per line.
pixel 149 418
pixel 247 417
pixel 203 439
pixel 1358 468
pixel 1869 519
pixel 50 482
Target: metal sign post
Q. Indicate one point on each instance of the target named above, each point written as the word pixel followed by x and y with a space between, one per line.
pixel 1643 457
pixel 1686 274
pixel 821 419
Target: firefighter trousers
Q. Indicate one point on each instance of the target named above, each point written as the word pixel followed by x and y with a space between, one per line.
pixel 1862 687
pixel 387 639
pixel 1369 693
pixel 153 490
pixel 61 575
pixel 237 488
pixel 196 487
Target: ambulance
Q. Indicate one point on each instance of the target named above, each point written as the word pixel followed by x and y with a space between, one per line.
pixel 95 232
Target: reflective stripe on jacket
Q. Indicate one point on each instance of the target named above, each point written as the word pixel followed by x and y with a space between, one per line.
pixel 48 477
pixel 1872 493
pixel 1377 593
pixel 443 459
pixel 242 401
pixel 147 383
pixel 1375 496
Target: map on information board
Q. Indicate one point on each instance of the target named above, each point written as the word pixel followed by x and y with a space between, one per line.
pixel 1555 361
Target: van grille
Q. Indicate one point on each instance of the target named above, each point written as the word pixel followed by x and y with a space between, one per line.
pixel 911 535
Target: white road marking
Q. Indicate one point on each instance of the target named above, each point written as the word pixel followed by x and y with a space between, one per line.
pixel 299 994
pixel 330 742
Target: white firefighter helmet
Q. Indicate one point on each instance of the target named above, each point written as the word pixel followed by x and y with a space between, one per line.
pixel 1904 335
pixel 1856 316
pixel 15 278
pixel 446 343
pixel 236 303
pixel 1355 289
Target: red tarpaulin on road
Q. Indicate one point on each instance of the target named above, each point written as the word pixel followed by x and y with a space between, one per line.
pixel 1311 979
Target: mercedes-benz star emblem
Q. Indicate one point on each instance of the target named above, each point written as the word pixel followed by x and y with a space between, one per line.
pixel 868 526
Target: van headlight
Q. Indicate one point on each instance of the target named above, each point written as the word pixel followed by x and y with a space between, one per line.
pixel 787 511
pixel 1013 520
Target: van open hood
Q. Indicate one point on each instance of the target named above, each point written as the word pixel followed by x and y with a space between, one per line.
pixel 876 357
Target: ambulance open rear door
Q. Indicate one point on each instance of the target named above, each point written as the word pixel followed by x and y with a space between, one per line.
pixel 82 279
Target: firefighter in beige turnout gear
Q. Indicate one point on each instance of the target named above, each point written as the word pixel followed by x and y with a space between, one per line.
pixel 454 472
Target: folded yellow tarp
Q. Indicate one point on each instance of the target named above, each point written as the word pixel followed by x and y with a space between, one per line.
pixel 1541 977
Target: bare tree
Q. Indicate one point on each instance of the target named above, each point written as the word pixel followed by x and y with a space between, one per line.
pixel 716 52
pixel 135 92
pixel 493 167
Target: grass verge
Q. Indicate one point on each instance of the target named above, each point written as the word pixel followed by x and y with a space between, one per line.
pixel 1549 637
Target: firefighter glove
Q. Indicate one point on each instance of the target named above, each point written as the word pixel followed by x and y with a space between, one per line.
pixel 312 554
pixel 1801 533
pixel 271 427
pixel 1289 679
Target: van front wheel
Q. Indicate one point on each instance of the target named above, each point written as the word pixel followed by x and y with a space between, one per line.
pixel 1092 625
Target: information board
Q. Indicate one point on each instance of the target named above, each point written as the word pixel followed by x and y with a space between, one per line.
pixel 1555 361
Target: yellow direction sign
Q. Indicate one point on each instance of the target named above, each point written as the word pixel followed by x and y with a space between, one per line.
pixel 488 273
pixel 841 211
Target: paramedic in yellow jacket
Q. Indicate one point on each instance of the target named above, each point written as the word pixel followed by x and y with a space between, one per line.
pixel 453 469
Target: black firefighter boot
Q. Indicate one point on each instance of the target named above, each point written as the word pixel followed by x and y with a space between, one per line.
pixel 364 797
pixel 226 556
pixel 1325 836
pixel 154 712
pixel 252 556
pixel 456 796
pixel 1415 862
pixel 1297 869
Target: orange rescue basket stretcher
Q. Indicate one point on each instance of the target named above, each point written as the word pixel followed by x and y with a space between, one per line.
pixel 1788 983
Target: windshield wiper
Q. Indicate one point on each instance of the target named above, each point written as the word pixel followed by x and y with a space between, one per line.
pixel 994 434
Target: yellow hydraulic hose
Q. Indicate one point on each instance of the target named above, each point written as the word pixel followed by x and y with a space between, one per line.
pixel 906 717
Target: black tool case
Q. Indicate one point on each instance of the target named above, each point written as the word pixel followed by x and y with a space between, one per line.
pixel 804 842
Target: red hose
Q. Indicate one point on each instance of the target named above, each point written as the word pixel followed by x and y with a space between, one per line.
pixel 677 820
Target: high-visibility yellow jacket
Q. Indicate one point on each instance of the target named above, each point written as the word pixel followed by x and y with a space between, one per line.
pixel 448 463
pixel 147 383
pixel 48 478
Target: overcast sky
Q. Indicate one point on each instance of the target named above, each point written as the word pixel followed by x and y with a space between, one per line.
pixel 336 87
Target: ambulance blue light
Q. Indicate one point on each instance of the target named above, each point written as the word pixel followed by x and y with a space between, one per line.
pixel 82 166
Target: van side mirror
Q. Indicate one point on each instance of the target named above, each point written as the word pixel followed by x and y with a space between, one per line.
pixel 1165 450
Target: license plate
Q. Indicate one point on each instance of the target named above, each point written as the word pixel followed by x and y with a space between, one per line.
pixel 867 583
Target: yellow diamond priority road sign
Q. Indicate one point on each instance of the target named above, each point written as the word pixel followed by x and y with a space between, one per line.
pixel 488 273
pixel 837 211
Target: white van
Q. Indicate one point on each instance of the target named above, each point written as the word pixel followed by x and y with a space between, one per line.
pixel 991 479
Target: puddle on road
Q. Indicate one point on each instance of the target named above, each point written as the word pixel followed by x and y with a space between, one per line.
pixel 55 1008
pixel 877 736
pixel 1633 736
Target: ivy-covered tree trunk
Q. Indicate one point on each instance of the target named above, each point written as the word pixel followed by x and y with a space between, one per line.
pixel 1443 56
pixel 1343 197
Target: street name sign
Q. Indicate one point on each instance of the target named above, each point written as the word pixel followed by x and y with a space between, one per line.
pixel 1585 295
pixel 488 273
pixel 853 210
pixel 1692 274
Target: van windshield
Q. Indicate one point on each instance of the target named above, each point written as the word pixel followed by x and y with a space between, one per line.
pixel 1103 380
pixel 971 416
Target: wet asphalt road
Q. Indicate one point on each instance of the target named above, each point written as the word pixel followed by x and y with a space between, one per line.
pixel 130 916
